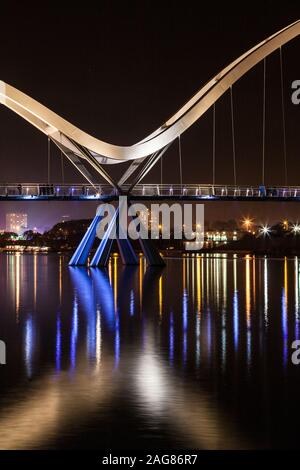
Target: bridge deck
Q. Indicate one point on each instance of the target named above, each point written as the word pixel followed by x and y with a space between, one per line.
pixel 189 192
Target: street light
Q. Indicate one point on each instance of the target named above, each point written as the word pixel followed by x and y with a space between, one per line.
pixel 296 228
pixel 285 224
pixel 247 223
pixel 265 230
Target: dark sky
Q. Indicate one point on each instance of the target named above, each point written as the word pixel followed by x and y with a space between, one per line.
pixel 119 70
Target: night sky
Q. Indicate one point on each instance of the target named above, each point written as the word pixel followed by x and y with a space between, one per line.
pixel 119 70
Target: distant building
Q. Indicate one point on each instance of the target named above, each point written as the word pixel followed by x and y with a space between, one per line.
pixel 214 238
pixel 65 218
pixel 16 222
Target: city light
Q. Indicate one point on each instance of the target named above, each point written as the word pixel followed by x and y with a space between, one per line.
pixel 285 224
pixel 296 228
pixel 265 230
pixel 247 223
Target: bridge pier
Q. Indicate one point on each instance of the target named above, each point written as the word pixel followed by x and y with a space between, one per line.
pixel 81 254
pixel 151 253
pixel 103 251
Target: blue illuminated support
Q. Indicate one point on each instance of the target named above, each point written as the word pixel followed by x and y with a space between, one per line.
pixel 81 254
pixel 103 251
pixel 101 256
pixel 150 252
pixel 127 253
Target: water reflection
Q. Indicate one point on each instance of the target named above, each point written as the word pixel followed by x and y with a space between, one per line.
pixel 29 344
pixel 248 308
pixel 297 291
pixel 235 306
pixel 266 292
pixel 58 344
pixel 284 313
pixel 74 333
pixel 173 346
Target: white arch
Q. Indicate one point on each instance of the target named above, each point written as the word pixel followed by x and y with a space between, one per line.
pixel 67 135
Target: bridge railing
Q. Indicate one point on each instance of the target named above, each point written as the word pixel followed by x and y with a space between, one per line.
pixel 31 190
pixel 86 191
pixel 211 191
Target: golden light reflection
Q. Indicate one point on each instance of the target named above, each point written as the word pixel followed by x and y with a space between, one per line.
pixel 115 283
pixel 160 296
pixel 207 279
pixel 254 280
pixel 224 275
pixel 202 282
pixel 110 271
pixel 216 279
pixel 211 275
pixel 193 279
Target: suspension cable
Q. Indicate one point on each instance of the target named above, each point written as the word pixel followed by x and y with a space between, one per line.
pixel 233 136
pixel 283 118
pixel 180 160
pixel 49 150
pixel 214 144
pixel 264 124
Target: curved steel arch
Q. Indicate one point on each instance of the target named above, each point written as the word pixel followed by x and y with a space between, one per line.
pixel 72 139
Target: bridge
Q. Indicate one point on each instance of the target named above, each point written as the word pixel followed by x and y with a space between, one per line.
pixel 150 192
pixel 91 156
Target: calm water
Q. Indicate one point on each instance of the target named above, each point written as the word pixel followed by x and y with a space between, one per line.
pixel 195 355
